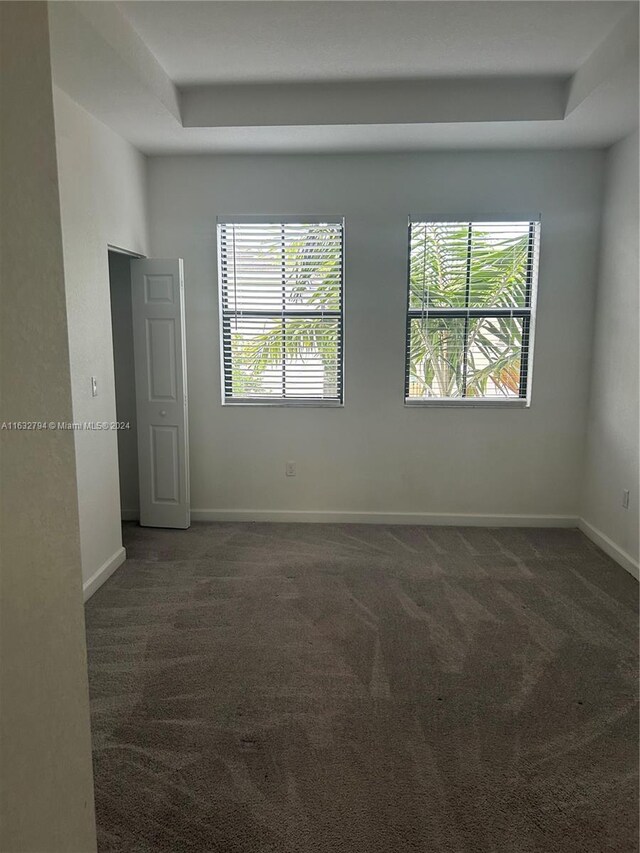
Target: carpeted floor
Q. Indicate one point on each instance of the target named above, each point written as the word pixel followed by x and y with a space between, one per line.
pixel 263 688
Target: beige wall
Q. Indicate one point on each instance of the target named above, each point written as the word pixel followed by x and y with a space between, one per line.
pixel 47 793
pixel 102 198
pixel 376 456
pixel 612 451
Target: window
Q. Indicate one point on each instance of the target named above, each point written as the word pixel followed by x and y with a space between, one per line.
pixel 281 297
pixel 469 317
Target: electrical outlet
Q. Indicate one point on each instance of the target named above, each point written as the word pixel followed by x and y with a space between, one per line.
pixel 625 499
pixel 290 469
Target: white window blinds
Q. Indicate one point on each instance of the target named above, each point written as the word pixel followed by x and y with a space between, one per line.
pixel 281 297
pixel 469 317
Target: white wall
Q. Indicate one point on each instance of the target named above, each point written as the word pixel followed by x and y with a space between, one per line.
pixel 375 455
pixel 47 785
pixel 122 329
pixel 614 429
pixel 102 196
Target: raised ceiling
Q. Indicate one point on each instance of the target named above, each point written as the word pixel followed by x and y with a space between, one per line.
pixel 250 42
pixel 351 76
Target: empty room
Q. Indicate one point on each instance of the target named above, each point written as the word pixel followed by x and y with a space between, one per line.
pixel 320 427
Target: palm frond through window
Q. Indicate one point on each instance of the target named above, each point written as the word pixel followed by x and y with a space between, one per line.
pixel 281 286
pixel 471 294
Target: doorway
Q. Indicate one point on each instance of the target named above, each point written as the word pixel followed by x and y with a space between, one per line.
pixel 149 354
pixel 125 383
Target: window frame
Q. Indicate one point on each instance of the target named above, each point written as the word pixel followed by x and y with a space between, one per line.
pixel 526 367
pixel 225 316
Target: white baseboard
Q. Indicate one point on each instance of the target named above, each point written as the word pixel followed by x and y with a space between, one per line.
pixel 434 518
pixel 129 515
pixel 104 572
pixel 609 547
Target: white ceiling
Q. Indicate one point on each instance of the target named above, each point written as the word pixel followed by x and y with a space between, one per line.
pixel 205 42
pixel 197 77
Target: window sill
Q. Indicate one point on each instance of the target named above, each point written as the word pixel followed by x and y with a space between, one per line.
pixel 457 402
pixel 284 404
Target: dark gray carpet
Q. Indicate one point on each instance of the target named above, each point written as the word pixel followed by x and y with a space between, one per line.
pixel 357 689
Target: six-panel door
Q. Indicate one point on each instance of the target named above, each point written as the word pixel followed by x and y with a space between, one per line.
pixel 161 392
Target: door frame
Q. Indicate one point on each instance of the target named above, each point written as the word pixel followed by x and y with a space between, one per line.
pixel 129 253
pixel 120 251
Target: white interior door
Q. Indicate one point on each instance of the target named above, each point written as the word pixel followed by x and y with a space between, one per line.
pixel 161 392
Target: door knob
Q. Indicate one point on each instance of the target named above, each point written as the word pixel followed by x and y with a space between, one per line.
pixel 163 414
